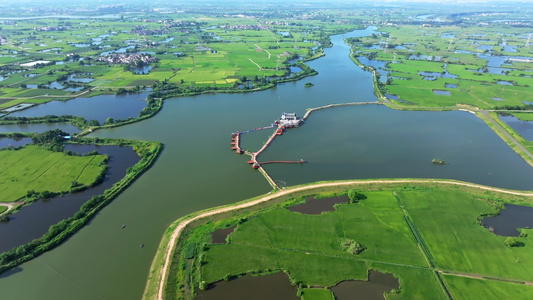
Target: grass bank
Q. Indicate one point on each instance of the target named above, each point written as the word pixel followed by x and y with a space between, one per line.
pixel 174 268
pixel 61 231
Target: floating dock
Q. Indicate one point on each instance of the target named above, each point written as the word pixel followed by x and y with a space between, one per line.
pixel 287 120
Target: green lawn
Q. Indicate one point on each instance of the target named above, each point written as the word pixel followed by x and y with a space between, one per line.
pixel 34 168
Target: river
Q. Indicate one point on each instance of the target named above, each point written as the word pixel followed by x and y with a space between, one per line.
pixel 197 170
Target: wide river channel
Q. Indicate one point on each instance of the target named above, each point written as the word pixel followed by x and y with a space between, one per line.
pixel 197 170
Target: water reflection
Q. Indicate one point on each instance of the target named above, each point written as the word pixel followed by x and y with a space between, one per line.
pixel 220 235
pixel 39 127
pixel 268 287
pixel 507 222
pixel 13 142
pixel 98 108
pixel 523 128
pixel 377 284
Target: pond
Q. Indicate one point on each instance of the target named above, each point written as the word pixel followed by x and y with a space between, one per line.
pixel 417 57
pixel 219 236
pixel 462 52
pixel 74 89
pixel 98 107
pixel 167 40
pixel 267 287
pixel 54 85
pixel 13 142
pixel 497 71
pixel 74 78
pixel 507 48
pixel 493 61
pixel 39 127
pixel 120 50
pixel 34 220
pixel 484 47
pixel 509 219
pixel 443 74
pixel 393 97
pixel 373 289
pixel 141 70
pixel 295 69
pixel 504 83
pixel 523 128
pixel 442 93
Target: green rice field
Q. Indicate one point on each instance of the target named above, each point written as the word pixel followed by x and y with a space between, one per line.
pixel 37 169
pixel 415 234
pixel 482 66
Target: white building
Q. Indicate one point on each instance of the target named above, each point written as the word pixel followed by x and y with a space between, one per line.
pixel 289 120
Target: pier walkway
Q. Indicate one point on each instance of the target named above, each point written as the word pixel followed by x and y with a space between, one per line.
pixel 235 139
pixel 310 110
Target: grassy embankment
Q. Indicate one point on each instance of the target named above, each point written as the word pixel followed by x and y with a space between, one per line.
pixel 430 228
pixel 148 151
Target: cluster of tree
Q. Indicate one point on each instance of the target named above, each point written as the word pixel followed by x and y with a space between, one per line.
pixel 515 107
pixel 511 242
pixel 352 247
pixel 52 139
pixel 355 196
pixel 152 107
pixel 135 89
pixel 74 120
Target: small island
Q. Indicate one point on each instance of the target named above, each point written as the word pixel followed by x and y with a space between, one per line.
pixel 437 161
pixel 308 84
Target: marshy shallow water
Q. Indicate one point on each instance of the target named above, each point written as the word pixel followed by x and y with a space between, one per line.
pixel 373 289
pixel 317 206
pixel 268 287
pixel 507 222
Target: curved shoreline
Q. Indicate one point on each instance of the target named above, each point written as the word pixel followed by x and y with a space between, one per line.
pixel 181 224
pixel 64 229
pixel 9 205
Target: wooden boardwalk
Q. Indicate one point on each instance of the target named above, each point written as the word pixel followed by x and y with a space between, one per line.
pixel 258 165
